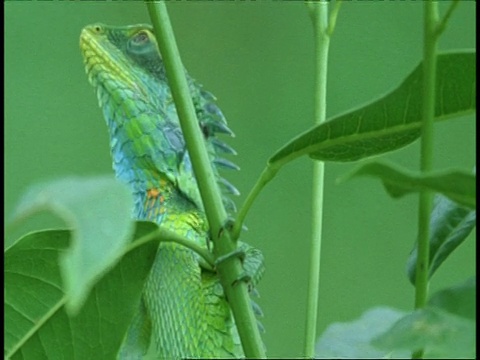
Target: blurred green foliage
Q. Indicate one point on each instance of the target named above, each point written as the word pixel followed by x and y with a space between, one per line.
pixel 257 58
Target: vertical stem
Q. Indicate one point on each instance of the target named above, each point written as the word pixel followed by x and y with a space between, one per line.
pixel 319 13
pixel 426 161
pixel 229 270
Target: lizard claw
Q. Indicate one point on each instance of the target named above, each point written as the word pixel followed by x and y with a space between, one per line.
pixel 238 253
pixel 244 276
pixel 252 264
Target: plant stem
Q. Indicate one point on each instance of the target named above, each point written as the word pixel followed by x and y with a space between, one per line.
pixel 211 197
pixel 272 168
pixel 319 14
pixel 426 161
pixel 267 174
pixel 165 235
pixel 231 269
pixel 443 23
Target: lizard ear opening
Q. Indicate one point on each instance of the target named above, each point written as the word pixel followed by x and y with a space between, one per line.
pixel 140 38
pixel 143 44
pixel 142 48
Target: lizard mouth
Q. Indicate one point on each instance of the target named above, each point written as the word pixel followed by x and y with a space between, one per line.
pixel 103 63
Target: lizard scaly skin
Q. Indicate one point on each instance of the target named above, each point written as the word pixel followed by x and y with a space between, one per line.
pixel 183 312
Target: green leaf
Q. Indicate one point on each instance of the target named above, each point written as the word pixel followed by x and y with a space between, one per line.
pixel 458 185
pixel 444 329
pixel 450 225
pixel 392 121
pixel 37 325
pixel 351 340
pixel 99 211
pixel 459 300
pixel 439 333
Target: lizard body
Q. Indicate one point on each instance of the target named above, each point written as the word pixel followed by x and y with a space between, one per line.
pixel 183 312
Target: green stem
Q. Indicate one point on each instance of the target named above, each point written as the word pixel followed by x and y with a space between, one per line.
pixel 165 235
pixel 231 269
pixel 322 31
pixel 186 112
pixel 426 161
pixel 443 23
pixel 267 174
pixel 332 20
pixel 273 167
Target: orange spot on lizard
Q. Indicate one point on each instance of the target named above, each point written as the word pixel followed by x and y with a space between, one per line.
pixel 153 193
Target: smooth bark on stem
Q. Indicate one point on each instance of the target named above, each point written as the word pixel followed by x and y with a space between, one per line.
pixel 231 269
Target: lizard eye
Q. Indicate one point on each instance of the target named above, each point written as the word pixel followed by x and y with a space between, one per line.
pixel 98 29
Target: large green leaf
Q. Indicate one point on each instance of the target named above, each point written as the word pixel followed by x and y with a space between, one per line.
pixel 99 211
pixel 37 325
pixel 444 329
pixel 392 121
pixel 441 334
pixel 351 340
pixel 458 185
pixel 459 299
pixel 450 225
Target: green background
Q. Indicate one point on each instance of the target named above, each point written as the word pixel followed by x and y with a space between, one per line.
pixel 257 58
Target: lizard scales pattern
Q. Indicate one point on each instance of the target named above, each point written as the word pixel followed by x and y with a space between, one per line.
pixel 183 312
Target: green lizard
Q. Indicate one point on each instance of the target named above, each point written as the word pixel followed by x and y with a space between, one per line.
pixel 183 312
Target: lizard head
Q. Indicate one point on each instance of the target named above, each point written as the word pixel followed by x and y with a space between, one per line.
pixel 124 65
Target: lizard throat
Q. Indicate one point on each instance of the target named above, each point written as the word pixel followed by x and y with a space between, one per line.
pixel 106 70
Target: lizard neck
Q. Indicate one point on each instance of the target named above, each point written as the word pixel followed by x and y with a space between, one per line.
pixel 146 142
pixel 160 201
